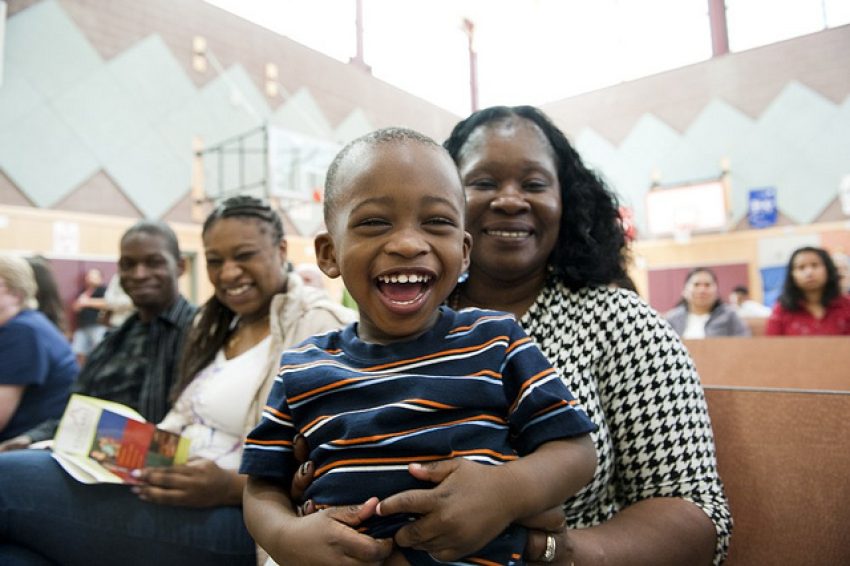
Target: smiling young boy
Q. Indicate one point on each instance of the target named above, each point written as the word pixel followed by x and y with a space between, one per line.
pixel 413 381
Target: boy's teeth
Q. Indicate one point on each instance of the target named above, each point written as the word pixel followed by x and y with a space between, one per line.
pixel 404 278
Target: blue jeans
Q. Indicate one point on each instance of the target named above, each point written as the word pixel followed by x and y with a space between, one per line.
pixel 46 517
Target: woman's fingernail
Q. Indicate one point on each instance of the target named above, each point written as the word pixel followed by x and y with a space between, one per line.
pixel 136 473
pixel 305 468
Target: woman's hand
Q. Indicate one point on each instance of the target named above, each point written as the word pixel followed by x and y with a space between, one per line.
pixel 198 483
pixel 535 547
pixel 458 516
pixel 15 443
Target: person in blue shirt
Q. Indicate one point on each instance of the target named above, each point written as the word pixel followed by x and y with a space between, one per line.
pixel 38 366
pixel 413 381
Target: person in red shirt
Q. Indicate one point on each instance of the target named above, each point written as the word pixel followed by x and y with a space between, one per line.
pixel 811 303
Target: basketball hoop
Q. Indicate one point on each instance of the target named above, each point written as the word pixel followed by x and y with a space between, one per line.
pixel 682 233
pixel 684 221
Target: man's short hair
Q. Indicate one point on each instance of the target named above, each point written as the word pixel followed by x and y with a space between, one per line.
pixel 155 228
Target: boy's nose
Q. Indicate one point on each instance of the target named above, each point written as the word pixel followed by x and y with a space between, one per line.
pixel 407 243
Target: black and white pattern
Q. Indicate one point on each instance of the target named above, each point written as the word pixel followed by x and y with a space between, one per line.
pixel 637 382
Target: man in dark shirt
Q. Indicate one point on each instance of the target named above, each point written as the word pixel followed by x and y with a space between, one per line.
pixel 137 363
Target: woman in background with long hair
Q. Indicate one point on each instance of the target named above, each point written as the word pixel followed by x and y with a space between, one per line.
pixel 811 302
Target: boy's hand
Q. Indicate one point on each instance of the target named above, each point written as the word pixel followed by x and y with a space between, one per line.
pixel 460 515
pixel 329 538
pixel 304 475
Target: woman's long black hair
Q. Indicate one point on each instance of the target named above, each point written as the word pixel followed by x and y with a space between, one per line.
pixel 213 323
pixel 792 297
pixel 591 247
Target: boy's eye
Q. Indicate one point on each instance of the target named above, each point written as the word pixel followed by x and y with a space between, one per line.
pixel 441 221
pixel 213 262
pixel 244 256
pixel 372 222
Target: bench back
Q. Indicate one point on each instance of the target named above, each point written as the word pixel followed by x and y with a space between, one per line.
pixel 784 458
pixel 781 361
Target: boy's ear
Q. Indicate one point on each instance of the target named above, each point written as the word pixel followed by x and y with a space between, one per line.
pixel 467 249
pixel 326 255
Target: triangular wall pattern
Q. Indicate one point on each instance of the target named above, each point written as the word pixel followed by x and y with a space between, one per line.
pixel 800 145
pixel 66 115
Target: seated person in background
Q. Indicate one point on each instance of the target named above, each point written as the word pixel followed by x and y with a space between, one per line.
pixel 811 303
pixel 118 302
pixel 191 513
pixel 740 301
pixel 37 366
pixel 47 295
pixel 137 363
pixel 700 313
pixel 413 381
pixel 91 311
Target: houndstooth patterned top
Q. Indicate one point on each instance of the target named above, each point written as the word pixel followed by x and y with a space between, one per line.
pixel 636 381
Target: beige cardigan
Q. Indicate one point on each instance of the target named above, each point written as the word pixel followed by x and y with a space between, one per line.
pixel 297 314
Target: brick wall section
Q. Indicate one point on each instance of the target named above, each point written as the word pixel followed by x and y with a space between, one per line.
pixel 748 80
pixel 338 88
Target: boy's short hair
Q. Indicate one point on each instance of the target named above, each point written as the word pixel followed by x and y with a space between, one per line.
pixel 391 134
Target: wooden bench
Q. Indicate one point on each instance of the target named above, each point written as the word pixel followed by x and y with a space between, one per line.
pixel 781 361
pixel 784 457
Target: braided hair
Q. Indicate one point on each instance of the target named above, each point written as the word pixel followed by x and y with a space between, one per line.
pixel 214 321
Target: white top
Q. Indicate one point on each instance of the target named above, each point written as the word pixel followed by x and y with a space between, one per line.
pixel 752 309
pixel 211 411
pixel 695 327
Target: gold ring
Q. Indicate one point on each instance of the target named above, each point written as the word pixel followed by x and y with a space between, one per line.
pixel 549 553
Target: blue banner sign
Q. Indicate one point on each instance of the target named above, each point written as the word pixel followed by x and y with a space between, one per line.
pixel 762 211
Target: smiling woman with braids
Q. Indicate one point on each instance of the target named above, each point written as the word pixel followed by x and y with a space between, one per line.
pixel 188 514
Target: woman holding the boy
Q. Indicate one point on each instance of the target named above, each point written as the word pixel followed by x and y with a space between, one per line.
pixel 548 243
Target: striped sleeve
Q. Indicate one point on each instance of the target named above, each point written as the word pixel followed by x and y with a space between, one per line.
pixel 541 408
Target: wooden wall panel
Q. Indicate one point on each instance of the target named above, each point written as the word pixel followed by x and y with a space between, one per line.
pixel 784 458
